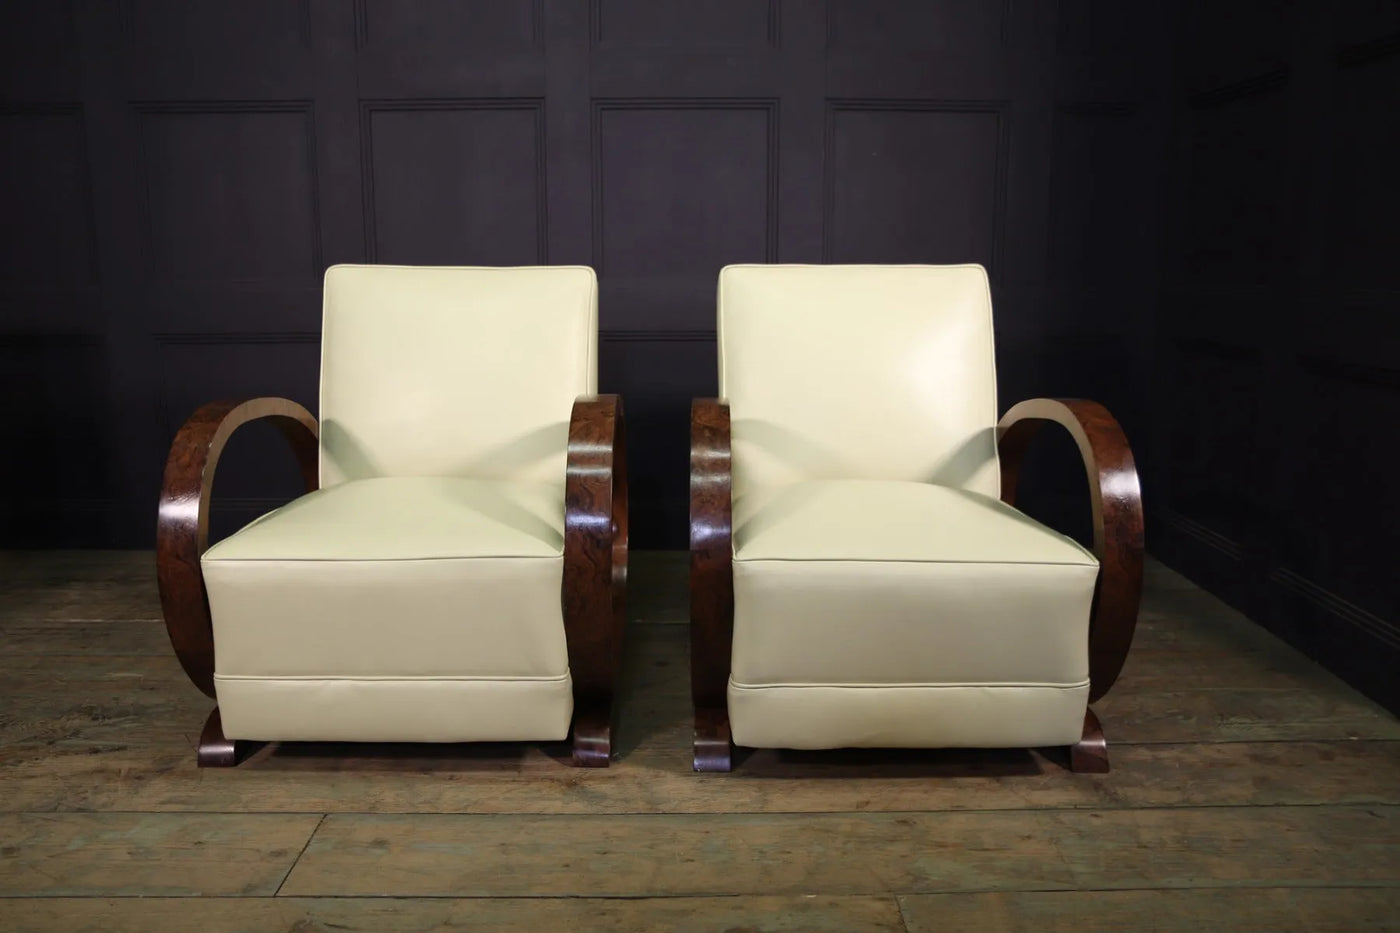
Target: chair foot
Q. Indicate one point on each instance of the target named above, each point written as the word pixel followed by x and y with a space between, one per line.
pixel 593 737
pixel 216 751
pixel 712 746
pixel 1090 754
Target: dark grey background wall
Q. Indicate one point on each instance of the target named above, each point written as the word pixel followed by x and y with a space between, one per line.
pixel 1187 211
pixel 1276 391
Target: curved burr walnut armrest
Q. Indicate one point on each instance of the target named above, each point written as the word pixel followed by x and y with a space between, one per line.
pixel 711 580
pixel 1117 506
pixel 182 528
pixel 595 568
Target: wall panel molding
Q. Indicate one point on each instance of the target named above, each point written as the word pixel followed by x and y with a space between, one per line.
pixel 1364 374
pixel 998 109
pixel 1200 533
pixel 1361 53
pixel 1372 625
pixel 772 36
pixel 147 110
pixel 206 338
pixel 766 106
pixel 1271 80
pixel 364 37
pixel 73 113
pixel 532 105
pixel 126 15
pixel 907 37
pixel 1056 247
pixel 657 336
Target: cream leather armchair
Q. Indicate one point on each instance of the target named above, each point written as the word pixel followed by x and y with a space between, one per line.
pixel 456 570
pixel 859 575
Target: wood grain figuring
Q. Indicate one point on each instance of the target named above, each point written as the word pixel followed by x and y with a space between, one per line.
pixel 182 533
pixel 711 581
pixel 109 776
pixel 182 528
pixel 519 856
pixel 96 854
pixel 808 914
pixel 1116 498
pixel 1264 910
pixel 595 569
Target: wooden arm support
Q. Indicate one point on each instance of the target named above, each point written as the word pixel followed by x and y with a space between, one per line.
pixel 711 581
pixel 1117 513
pixel 595 568
pixel 182 529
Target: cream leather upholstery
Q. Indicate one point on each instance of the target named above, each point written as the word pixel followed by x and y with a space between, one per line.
pixel 859 372
pixel 443 371
pixel 416 595
pixel 883 595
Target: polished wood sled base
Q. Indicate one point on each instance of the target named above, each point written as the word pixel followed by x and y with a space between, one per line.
pixel 216 751
pixel 1090 756
pixel 714 751
pixel 592 737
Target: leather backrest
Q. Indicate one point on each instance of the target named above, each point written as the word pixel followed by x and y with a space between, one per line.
pixel 859 372
pixel 454 371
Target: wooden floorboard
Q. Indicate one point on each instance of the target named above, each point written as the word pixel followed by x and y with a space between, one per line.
pixel 149 853
pixel 473 780
pixel 846 853
pixel 807 913
pixel 1250 790
pixel 1240 910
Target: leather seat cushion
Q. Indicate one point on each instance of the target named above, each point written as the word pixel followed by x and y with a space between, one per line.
pixel 377 609
pixel 884 584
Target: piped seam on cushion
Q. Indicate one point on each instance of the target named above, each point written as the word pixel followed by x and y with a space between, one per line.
pixel 374 560
pixel 911 686
pixel 427 678
pixel 739 558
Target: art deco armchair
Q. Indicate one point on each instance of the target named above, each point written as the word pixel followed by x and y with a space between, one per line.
pixel 456 570
pixel 859 575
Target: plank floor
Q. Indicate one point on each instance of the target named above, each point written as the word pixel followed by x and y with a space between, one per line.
pixel 1251 790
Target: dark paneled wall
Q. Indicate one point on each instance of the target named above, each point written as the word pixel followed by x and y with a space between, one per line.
pixel 1188 211
pixel 178 173
pixel 1277 376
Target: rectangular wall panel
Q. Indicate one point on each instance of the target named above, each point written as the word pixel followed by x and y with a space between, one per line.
pixel 683 187
pixel 230 190
pixel 455 182
pixel 52 210
pixel 1102 28
pixel 1333 528
pixel 684 23
pixel 942 24
pixel 481 26
pixel 52 390
pixel 919 182
pixel 1364 222
pixel 248 26
pixel 1235 234
pixel 38 51
pixel 1211 459
pixel 1234 42
pixel 1096 227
